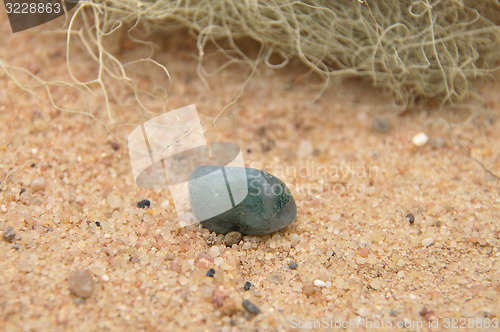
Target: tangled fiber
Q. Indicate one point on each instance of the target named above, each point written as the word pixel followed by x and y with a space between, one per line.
pixel 423 49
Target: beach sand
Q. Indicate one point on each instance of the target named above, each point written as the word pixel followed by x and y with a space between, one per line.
pixel 360 262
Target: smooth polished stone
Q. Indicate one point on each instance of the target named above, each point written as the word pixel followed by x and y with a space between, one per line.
pixel 246 200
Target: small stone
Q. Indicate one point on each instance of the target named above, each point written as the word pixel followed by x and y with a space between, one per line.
pixel 319 283
pixel 98 224
pixel 246 246
pixel 375 283
pixel 247 285
pixel 114 201
pixel 308 290
pixel 211 239
pixel 261 203
pixel 9 234
pixel 204 260
pixel 364 252
pixel 411 218
pixel 144 204
pixel 371 259
pixel 293 266
pixel 78 300
pixel 81 283
pixel 218 261
pixel 426 314
pixel 394 312
pixel 381 125
pixel 420 139
pixel 250 307
pixel 175 266
pixel 305 149
pixel 360 260
pixel 427 241
pixel 115 146
pixel 232 238
pixel 37 184
pixel 214 251
pixel 294 238
pixel 211 273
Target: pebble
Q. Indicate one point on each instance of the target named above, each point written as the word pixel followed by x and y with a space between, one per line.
pixel 115 146
pixel 247 285
pixel 211 273
pixel 78 300
pixel 37 184
pixel 364 252
pixel 427 241
pixel 175 266
pixel 246 246
pixel 394 312
pixel 375 283
pixel 9 234
pixel 81 283
pixel 114 201
pixel 144 204
pixel 319 283
pixel 420 139
pixel 218 261
pixel 250 307
pixel 308 290
pixel 214 251
pixel 381 125
pixel 204 260
pixel 232 238
pixel 293 265
pixel 305 149
pixel 261 203
pixel 411 218
pixel 294 238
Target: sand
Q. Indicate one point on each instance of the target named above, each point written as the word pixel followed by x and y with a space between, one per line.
pixel 360 262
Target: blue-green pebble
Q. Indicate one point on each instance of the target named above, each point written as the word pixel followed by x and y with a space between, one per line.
pixel 265 203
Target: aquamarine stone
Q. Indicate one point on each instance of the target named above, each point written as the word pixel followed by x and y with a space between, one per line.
pixel 247 200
